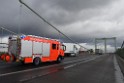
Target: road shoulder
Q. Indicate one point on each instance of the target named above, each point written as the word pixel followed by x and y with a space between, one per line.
pixel 118 74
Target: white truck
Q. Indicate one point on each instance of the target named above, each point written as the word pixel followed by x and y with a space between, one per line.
pixel 71 49
pixel 98 51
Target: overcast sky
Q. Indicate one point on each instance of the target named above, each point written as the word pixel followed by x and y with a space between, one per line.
pixel 82 20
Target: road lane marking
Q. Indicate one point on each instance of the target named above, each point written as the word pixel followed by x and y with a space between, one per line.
pixel 26 70
pixel 118 74
pixel 75 60
pixel 64 63
pixel 5 74
pixel 36 76
pixel 56 70
pixel 69 66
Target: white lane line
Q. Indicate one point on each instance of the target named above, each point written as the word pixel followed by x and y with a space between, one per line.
pixel 56 70
pixel 118 74
pixel 26 70
pixel 69 66
pixel 80 60
pixel 35 68
pixel 75 61
pixel 36 76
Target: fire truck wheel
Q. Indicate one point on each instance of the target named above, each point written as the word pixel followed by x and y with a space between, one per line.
pixel 59 60
pixel 36 61
pixel 22 62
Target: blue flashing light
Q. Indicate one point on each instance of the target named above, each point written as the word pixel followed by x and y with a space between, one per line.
pixel 22 37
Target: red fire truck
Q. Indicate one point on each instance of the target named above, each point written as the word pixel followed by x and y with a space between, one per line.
pixel 34 49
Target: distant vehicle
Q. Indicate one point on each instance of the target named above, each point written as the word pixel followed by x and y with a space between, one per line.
pixel 99 51
pixel 71 49
pixel 34 49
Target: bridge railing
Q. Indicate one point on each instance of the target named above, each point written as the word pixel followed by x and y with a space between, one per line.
pixel 120 52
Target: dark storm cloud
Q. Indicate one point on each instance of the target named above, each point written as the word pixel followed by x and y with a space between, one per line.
pixel 60 13
pixel 13 17
pixel 72 5
pixel 63 12
pixel 77 5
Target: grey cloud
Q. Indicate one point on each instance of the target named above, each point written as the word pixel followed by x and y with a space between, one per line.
pixel 72 5
pixel 77 5
pixel 63 12
pixel 60 13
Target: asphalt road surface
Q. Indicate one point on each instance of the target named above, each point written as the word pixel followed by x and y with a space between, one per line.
pixel 81 69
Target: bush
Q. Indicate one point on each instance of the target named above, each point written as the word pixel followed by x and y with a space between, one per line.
pixel 120 52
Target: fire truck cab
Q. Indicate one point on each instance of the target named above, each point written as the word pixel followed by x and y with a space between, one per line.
pixel 34 49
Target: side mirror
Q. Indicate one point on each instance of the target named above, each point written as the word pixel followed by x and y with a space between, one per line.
pixel 64 48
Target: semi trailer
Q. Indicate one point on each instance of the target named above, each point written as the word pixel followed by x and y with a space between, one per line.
pixel 71 49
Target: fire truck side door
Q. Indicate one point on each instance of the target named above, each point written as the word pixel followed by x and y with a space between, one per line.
pixel 46 49
pixel 54 51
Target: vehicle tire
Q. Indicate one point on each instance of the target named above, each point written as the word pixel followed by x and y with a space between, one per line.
pixel 75 55
pixel 22 62
pixel 59 59
pixel 36 61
